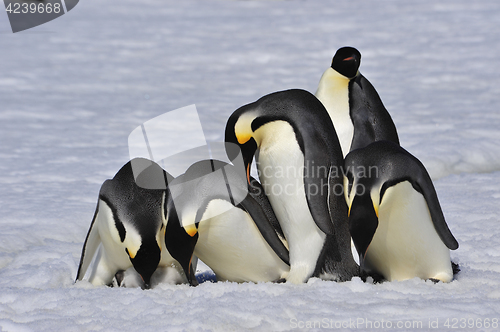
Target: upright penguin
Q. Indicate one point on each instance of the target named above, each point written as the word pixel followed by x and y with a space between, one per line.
pixel 298 158
pixel 395 218
pixel 358 114
pixel 229 226
pixel 129 224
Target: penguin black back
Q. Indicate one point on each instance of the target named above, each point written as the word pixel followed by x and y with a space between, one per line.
pixel 138 195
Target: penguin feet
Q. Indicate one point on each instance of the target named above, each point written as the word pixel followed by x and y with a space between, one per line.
pixel 455 267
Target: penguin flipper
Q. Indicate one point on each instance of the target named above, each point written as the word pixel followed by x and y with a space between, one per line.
pixel 317 178
pixel 258 193
pixel 92 242
pixel 252 206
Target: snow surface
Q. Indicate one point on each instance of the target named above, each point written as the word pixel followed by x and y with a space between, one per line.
pixel 72 90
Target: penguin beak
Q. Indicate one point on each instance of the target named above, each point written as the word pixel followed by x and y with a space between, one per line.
pixel 363 223
pixel 147 285
pixel 191 277
pixel 248 150
pixel 248 174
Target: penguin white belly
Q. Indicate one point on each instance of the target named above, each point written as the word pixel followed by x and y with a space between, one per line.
pixel 280 165
pixel 333 92
pixel 406 244
pixel 232 246
pixel 111 255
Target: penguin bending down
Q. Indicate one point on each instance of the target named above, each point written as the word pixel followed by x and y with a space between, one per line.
pixel 358 114
pixel 129 226
pixel 395 218
pixel 230 227
pixel 298 158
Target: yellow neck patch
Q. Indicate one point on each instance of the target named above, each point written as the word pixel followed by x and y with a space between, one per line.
pixel 191 230
pixel 243 127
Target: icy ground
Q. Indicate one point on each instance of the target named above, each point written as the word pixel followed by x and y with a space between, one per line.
pixel 72 90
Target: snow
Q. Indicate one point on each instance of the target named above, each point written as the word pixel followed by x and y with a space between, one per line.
pixel 72 90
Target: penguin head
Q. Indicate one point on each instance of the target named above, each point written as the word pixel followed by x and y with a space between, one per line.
pixel 146 260
pixel 253 125
pixel 189 198
pixel 363 222
pixel 141 239
pixel 181 241
pixel 363 204
pixel 240 130
pixel 346 61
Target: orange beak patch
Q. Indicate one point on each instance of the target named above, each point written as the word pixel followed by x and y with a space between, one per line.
pixel 248 174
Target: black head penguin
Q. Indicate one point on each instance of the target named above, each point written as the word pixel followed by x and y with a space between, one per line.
pixel 395 218
pixel 298 159
pixel 128 225
pixel 357 112
pixel 214 215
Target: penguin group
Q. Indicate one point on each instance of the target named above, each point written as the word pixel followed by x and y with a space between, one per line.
pixel 331 176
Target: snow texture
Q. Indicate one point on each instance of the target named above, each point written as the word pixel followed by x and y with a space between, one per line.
pixel 72 90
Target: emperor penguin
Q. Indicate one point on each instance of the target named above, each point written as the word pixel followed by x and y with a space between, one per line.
pixel 298 160
pixel 229 226
pixel 128 226
pixel 395 218
pixel 357 112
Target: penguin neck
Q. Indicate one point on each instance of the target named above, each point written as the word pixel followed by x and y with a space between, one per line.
pixel 280 163
pixel 273 135
pixel 333 92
